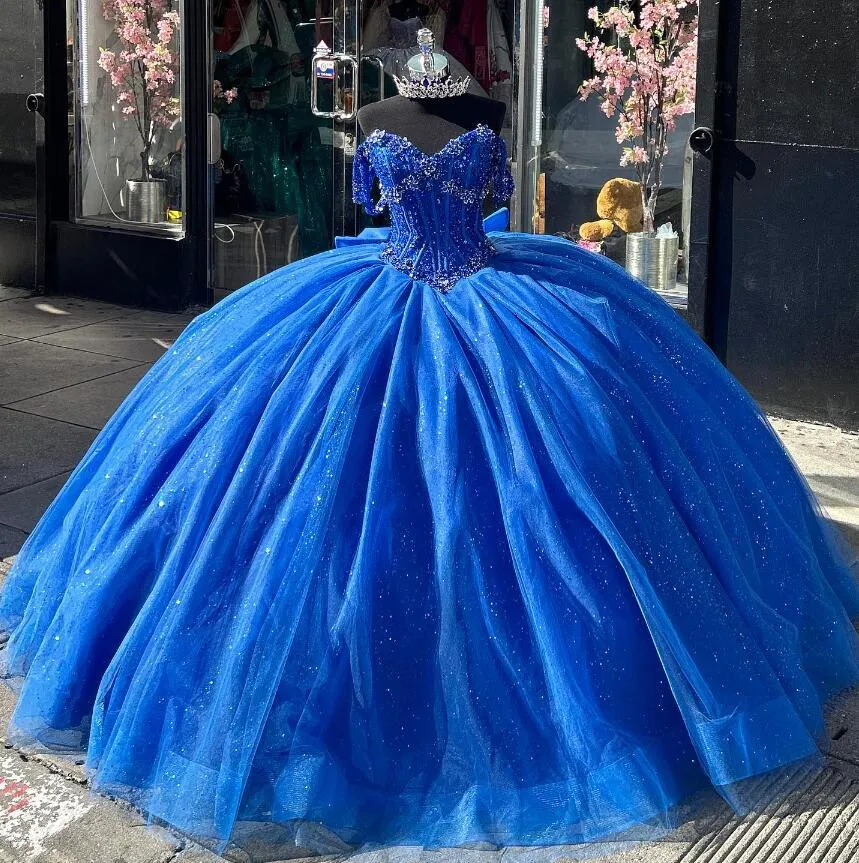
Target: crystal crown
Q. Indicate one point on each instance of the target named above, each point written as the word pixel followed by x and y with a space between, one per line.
pixel 429 73
pixel 429 88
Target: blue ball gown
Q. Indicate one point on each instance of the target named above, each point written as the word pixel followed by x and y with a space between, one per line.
pixel 437 537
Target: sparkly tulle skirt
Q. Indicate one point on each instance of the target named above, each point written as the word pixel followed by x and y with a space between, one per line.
pixel 520 563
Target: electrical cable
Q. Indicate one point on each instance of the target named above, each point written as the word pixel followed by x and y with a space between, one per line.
pixel 216 225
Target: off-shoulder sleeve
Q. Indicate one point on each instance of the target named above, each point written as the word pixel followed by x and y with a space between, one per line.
pixel 502 179
pixel 362 182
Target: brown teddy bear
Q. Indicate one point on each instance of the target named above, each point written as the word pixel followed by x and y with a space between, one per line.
pixel 596 232
pixel 618 203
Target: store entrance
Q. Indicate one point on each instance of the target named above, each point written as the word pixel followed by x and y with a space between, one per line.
pixel 214 145
pixel 232 155
pixel 287 80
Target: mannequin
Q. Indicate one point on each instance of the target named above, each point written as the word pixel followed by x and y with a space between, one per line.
pixel 430 123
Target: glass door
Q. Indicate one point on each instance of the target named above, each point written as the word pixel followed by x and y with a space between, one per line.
pixel 273 138
pixel 287 80
pixel 21 145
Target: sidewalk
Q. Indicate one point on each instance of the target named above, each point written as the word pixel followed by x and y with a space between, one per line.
pixel 65 365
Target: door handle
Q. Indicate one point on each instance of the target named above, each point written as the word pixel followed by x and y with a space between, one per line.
pixel 350 111
pixel 327 66
pixel 36 103
pixel 701 140
pixel 213 139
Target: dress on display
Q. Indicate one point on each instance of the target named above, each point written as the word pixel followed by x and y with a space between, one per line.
pixel 473 33
pixel 439 537
pixel 476 37
pixel 392 41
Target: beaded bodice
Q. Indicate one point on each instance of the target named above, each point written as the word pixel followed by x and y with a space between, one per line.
pixel 435 201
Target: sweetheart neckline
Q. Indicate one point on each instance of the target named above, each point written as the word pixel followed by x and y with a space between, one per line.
pixel 480 127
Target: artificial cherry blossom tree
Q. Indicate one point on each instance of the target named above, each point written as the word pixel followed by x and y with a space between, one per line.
pixel 645 76
pixel 144 67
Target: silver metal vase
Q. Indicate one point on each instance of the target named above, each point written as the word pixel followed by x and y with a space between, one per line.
pixel 653 260
pixel 147 201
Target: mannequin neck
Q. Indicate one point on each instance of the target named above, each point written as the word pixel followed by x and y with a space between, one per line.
pixel 430 123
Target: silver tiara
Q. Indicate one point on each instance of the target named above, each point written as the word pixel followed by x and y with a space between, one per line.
pixel 429 73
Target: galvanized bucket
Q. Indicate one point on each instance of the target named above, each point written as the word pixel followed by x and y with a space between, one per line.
pixel 653 260
pixel 147 201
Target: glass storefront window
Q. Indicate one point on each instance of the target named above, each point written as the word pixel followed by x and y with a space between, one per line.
pixel 127 145
pixel 568 147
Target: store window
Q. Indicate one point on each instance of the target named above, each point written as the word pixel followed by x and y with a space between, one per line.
pixel 477 35
pixel 568 145
pixel 126 113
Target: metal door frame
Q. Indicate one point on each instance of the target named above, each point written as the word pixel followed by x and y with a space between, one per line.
pixel 703 312
pixel 344 59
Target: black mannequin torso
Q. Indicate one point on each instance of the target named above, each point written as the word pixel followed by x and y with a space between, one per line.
pixel 430 123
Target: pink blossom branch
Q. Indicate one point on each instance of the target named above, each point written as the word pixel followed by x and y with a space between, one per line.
pixel 144 69
pixel 646 80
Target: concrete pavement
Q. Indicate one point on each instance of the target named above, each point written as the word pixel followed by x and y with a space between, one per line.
pixel 65 365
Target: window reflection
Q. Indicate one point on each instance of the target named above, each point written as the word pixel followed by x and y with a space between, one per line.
pixel 17 126
pixel 578 152
pixel 127 145
pixel 273 179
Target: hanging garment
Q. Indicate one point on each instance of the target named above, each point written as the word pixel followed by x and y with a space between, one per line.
pixel 235 17
pixel 467 40
pixel 436 20
pixel 382 30
pixel 266 22
pixel 444 536
pixel 376 31
pixel 394 41
pixel 500 58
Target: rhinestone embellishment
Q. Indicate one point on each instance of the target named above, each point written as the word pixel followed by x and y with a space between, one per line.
pixel 428 73
pixel 426 88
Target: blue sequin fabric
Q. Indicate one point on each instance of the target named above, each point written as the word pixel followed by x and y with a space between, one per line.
pixel 435 201
pixel 517 562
